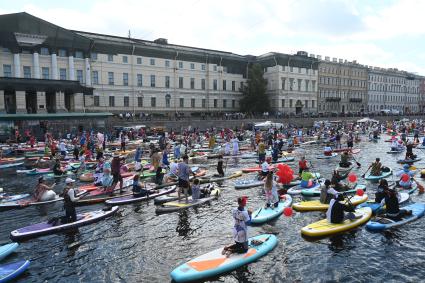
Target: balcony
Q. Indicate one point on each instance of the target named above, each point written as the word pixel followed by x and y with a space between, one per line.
pixel 333 99
pixel 357 100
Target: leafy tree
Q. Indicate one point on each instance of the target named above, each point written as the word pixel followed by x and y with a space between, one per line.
pixel 255 98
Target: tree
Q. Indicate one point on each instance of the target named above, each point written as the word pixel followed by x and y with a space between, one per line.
pixel 255 98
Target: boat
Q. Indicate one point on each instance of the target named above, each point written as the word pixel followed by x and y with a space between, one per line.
pixel 215 263
pixel 46 228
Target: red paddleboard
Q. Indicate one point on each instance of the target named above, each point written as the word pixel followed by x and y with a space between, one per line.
pixel 353 151
pixel 255 169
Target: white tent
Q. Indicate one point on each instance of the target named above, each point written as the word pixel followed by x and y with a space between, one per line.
pixel 365 120
pixel 268 125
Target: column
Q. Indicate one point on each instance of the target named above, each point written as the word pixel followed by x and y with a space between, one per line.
pixel 36 65
pixel 71 68
pixel 21 106
pixel 60 102
pixel 17 65
pixel 2 105
pixel 54 67
pixel 78 102
pixel 41 102
pixel 88 72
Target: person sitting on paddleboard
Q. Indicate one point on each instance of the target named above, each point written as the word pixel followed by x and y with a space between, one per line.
pixel 336 182
pixel 335 213
pixel 405 176
pixel 302 165
pixel 392 202
pixel 69 199
pixel 242 217
pixel 375 167
pixel 380 192
pixel 327 192
pixel 409 150
pixel 196 190
pixel 57 168
pixel 43 192
pixel 307 179
pixel 270 189
pixel 138 189
pixel 327 151
pixel 220 170
pixel 344 160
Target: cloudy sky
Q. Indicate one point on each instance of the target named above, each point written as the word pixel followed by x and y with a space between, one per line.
pixel 385 33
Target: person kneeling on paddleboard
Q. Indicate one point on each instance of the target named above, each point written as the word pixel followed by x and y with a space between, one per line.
pixel 327 151
pixel 344 160
pixel 405 176
pixel 270 189
pixel 242 217
pixel 335 213
pixel 376 167
pixel 392 202
pixel 69 199
pixel 307 179
pixel 138 190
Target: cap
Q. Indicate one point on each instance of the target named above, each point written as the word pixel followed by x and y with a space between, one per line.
pixel 69 181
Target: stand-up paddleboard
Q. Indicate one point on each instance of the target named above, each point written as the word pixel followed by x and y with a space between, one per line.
pixel 214 263
pixel 296 190
pixel 11 271
pixel 378 208
pixel 327 156
pixel 316 205
pixel 323 228
pixel 132 199
pixel 256 169
pixel 10 165
pixel 9 198
pixel 316 191
pixel 45 228
pixel 379 177
pixel 249 183
pixel 26 202
pixel 384 223
pixel 180 205
pixel 265 214
pixel 408 161
pixel 6 250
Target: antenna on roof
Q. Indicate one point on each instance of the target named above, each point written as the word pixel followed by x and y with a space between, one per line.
pixel 129 34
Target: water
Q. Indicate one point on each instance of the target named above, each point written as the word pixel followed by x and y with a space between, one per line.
pixel 136 245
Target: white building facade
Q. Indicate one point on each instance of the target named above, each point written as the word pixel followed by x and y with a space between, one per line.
pixel 394 90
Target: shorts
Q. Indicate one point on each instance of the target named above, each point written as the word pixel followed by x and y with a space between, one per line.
pixel 117 177
pixel 350 144
pixel 264 173
pixel 183 184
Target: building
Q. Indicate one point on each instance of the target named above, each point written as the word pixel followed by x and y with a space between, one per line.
pixel 393 90
pixel 292 81
pixel 342 86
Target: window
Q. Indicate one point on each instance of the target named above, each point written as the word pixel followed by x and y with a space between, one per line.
pixel 291 69
pixel 110 78
pixel 290 103
pixel 62 53
pixel 139 60
pixel 111 101
pixel 44 51
pixel 192 66
pixel 167 81
pixel 153 101
pixel 299 84
pixel 180 82
pixel 126 101
pixel 204 103
pixel 283 103
pixel 233 85
pixel 313 85
pixel 45 73
pixel 224 85
pixel 181 102
pixel 215 68
pixel 125 59
pixel 152 80
pixel 27 72
pixel 180 65
pixel 140 102
pixel 80 76
pixel 62 73
pixel 291 84
pixel 313 102
pixel 192 83
pixel 306 104
pixel 203 67
pixel 167 63
pixel 152 62
pixel 79 54
pixel 96 101
pixel 283 83
pixel 233 103
pixel 139 80
pixel 125 78
pixel 7 70
pixel 95 77
pixel 215 84
pixel 110 58
pixel 167 101
pixel 224 103
pixel 93 56
pixel 192 103
pixel 215 103
pixel 241 85
pixel 203 83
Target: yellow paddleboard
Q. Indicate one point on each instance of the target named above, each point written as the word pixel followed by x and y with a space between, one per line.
pixel 324 228
pixel 316 205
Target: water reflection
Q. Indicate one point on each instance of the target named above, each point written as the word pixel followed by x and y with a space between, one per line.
pixel 183 224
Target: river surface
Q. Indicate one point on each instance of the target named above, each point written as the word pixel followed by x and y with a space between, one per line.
pixel 136 245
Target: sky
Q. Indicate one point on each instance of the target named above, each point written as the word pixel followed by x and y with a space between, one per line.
pixel 382 33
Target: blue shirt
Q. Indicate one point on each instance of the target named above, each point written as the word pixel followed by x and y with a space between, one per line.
pixel 184 171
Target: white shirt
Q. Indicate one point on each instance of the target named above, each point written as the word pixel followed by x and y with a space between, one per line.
pixel 62 146
pixel 265 166
pixel 174 168
pixel 240 231
pixel 329 211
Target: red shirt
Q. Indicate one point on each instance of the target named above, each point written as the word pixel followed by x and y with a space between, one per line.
pixel 302 164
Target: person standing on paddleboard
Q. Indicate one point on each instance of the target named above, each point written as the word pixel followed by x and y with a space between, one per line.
pixel 116 171
pixel 69 199
pixel 270 189
pixel 183 173
pixel 242 217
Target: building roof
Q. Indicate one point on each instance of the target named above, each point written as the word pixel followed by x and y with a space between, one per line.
pixel 54 116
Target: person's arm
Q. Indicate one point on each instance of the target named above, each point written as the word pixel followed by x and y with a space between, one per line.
pixel 72 196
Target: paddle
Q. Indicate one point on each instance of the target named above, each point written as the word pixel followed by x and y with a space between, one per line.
pixel 357 163
pixel 364 174
pixel 420 187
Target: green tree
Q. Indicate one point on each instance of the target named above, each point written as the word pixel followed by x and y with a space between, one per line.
pixel 255 98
